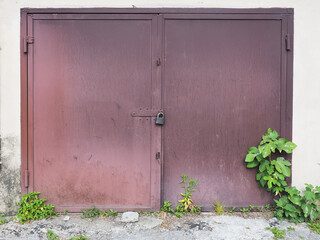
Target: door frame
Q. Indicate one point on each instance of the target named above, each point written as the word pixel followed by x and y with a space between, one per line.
pixel 283 14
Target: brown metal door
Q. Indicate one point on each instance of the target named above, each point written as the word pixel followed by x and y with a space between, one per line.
pixel 87 74
pixel 224 85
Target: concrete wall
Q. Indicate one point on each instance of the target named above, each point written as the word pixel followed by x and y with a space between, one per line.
pixel 306 111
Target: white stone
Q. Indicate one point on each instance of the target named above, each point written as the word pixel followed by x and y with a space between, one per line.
pixel 66 218
pixel 44 230
pixel 130 217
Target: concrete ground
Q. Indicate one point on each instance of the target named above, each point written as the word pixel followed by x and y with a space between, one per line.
pixel 204 226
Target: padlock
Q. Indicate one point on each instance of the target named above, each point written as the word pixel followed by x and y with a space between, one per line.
pixel 160 118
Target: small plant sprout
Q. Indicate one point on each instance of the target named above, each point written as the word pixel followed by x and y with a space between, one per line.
pixel 51 235
pixel 259 208
pixel 267 207
pixel 244 210
pixel 277 233
pixel 219 208
pixel 65 212
pixel 251 207
pixel 232 210
pixel 291 229
pixel 91 212
pixel 3 220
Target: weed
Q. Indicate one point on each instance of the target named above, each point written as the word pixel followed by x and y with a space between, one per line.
pixel 186 204
pixel 267 207
pixel 232 210
pixel 301 237
pixel 277 233
pixel 109 213
pixel 156 214
pixel 314 226
pixel 291 229
pixel 52 236
pixel 219 208
pixel 80 237
pixel 3 220
pixel 244 210
pixel 33 208
pixel 251 207
pixel 167 207
pixel 65 212
pixel 91 212
pixel 259 208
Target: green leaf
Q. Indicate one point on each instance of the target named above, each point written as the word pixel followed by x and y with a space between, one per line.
pixel 252 164
pixel 295 200
pixel 280 165
pixel 253 150
pixel 263 165
pixel 265 150
pixel 309 195
pixel 290 207
pixel 306 208
pixel 280 143
pixel 289 146
pixel 273 135
pixel 250 157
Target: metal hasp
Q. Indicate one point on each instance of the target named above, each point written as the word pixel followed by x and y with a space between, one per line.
pixel 160 118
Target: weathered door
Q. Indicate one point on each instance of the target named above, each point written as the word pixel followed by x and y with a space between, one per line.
pixel 88 74
pixel 223 79
pixel 94 79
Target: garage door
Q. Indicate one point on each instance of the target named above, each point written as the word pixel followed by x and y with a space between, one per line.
pixel 94 80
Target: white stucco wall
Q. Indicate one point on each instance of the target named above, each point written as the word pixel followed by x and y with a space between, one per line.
pixel 306 110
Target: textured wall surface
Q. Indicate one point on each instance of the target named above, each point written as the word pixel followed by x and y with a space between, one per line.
pixel 306 112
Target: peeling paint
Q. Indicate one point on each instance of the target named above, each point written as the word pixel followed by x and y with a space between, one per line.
pixel 10 190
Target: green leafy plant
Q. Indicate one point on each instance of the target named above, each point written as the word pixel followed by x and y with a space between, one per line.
pixel 291 204
pixel 3 220
pixel 219 208
pixel 259 208
pixel 272 173
pixel 33 208
pixel 291 229
pixel 232 209
pixel 167 207
pixel 109 213
pixel 277 233
pixel 65 212
pixel 186 204
pixel 80 237
pixel 251 207
pixel 91 212
pixel 244 210
pixel 267 207
pixel 315 226
pixel 51 235
pixel 297 206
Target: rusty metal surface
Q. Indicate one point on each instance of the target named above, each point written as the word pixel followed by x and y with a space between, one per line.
pixel 222 76
pixel 221 92
pixel 88 76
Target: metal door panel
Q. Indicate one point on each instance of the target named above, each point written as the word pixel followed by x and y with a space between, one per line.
pixel 221 92
pixel 88 76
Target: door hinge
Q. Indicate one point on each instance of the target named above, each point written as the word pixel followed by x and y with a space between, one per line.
pixel 27 40
pixel 288 42
pixel 158 62
pixel 26 178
